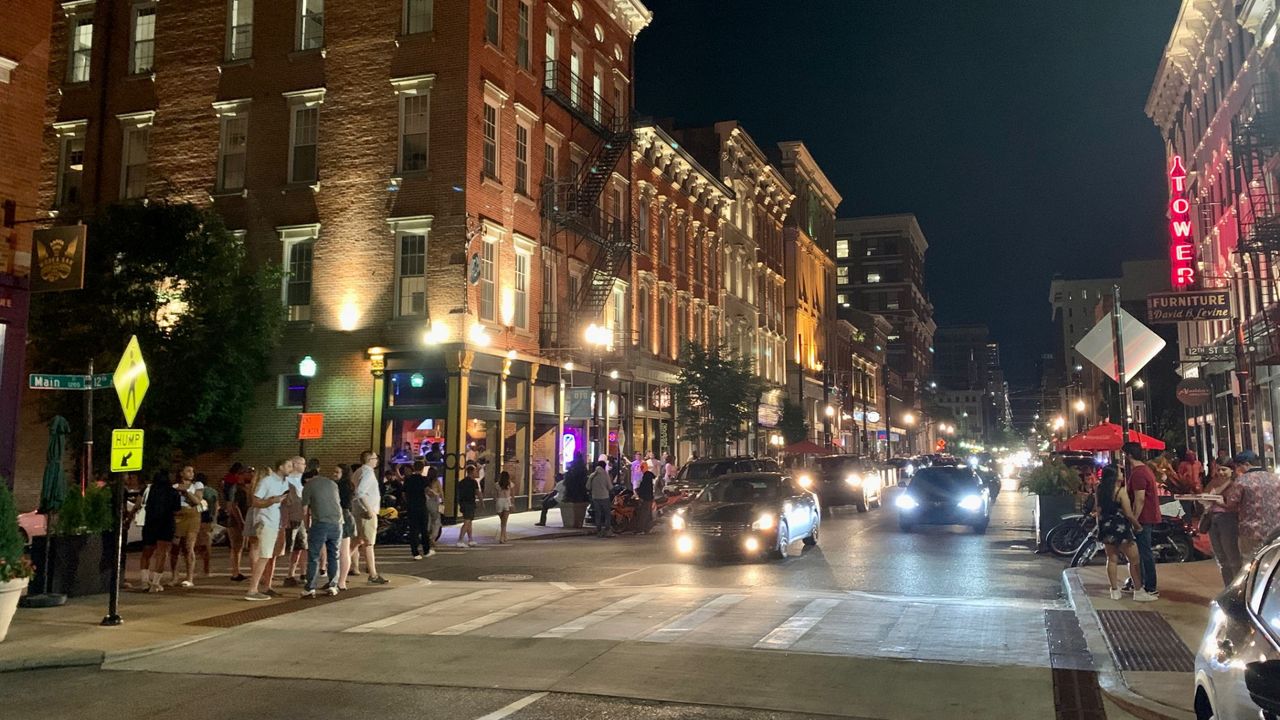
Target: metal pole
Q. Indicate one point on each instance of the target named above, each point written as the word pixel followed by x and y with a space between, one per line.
pixel 595 412
pixel 113 599
pixel 1117 351
pixel 1242 381
pixel 87 471
pixel 306 390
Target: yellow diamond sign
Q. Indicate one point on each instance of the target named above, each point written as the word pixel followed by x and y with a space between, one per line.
pixel 131 380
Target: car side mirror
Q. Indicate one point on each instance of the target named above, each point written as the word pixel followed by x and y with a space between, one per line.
pixel 1263 682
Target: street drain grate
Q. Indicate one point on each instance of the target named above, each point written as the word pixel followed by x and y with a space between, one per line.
pixel 275 609
pixel 1143 640
pixel 509 577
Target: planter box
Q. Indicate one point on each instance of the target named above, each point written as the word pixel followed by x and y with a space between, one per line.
pixel 81 564
pixel 1049 511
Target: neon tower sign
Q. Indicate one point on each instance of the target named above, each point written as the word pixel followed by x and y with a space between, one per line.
pixel 1182 253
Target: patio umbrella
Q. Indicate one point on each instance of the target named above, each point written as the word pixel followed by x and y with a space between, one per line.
pixel 1109 436
pixel 53 487
pixel 805 447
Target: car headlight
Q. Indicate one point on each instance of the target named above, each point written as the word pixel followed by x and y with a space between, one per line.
pixel 677 522
pixel 854 480
pixel 684 545
pixel 972 503
pixel 910 468
pixel 764 522
pixel 806 481
pixel 906 502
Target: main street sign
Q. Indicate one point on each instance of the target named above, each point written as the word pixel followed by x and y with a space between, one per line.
pixel 47 381
pixel 126 450
pixel 131 380
pixel 1191 305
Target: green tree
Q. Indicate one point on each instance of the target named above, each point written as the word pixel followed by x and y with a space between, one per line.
pixel 207 322
pixel 792 423
pixel 716 394
pixel 13 565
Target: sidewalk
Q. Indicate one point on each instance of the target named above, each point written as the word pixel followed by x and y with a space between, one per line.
pixel 71 635
pixel 1186 590
pixel 520 526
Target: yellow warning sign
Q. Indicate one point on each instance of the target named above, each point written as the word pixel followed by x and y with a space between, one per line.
pixel 126 450
pixel 131 380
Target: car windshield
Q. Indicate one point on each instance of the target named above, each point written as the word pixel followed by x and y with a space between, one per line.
pixel 836 464
pixel 742 490
pixel 707 471
pixel 944 480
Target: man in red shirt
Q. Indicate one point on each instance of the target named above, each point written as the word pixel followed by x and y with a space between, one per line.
pixel 1145 500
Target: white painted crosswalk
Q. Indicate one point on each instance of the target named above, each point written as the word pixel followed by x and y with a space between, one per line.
pixel 789 632
pixel 599 616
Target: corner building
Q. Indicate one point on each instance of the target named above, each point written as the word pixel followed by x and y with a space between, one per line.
pixel 433 176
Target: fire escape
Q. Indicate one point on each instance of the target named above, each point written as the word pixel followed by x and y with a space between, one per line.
pixel 1255 140
pixel 577 206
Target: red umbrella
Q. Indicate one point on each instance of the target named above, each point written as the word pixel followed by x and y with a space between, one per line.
pixel 805 447
pixel 1109 436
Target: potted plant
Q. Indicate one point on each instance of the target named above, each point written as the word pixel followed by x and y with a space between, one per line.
pixel 1057 488
pixel 79 544
pixel 15 568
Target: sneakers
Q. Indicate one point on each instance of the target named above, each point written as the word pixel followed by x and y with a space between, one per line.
pixel 473 543
pixel 431 552
pixel 187 584
pixel 1144 596
pixel 270 592
pixel 378 580
pixel 308 594
pixel 257 597
pixel 417 557
pixel 539 524
pixel 1116 593
pixel 333 590
pixel 291 581
pixel 461 544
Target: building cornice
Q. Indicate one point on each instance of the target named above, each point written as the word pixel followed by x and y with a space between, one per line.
pixel 657 149
pixel 795 152
pixel 1187 42
pixel 632 15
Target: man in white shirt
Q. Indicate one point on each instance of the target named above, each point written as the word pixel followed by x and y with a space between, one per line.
pixel 365 505
pixel 271 491
pixel 295 540
pixel 637 470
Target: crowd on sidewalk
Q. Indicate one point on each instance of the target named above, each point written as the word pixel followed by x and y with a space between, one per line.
pixel 612 488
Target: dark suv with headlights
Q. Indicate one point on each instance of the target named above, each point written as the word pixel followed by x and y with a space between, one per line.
pixel 945 495
pixel 845 480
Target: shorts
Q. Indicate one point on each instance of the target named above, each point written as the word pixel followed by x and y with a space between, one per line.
pixel 296 539
pixel 367 530
pixel 502 505
pixel 267 537
pixel 204 538
pixel 468 510
pixel 187 523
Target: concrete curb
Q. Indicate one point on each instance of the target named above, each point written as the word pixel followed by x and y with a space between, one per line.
pixel 69 659
pixel 1111 680
pixel 552 536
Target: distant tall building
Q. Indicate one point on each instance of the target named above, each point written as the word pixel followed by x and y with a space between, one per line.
pixel 971 381
pixel 961 358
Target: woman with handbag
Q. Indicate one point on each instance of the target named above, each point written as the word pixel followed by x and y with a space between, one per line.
pixel 1221 522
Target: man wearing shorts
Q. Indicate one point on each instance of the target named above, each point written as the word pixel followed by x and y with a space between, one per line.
pixel 365 506
pixel 266 527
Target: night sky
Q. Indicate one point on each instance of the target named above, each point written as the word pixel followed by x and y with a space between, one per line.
pixel 1014 130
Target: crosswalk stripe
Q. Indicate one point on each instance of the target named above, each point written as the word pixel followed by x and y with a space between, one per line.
pixel 497 616
pixel 598 616
pixel 691 620
pixel 424 610
pixel 789 632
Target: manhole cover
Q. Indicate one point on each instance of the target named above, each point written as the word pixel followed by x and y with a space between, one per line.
pixel 509 577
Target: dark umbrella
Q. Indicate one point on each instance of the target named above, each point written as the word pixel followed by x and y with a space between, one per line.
pixel 53 488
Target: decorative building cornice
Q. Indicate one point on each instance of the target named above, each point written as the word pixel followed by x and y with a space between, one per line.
pixel 632 15
pixel 667 158
pixel 795 153
pixel 1186 47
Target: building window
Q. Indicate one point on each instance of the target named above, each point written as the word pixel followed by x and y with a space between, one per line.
pixel 522 159
pixel 81 46
pixel 664 252
pixel 524 20
pixel 575 77
pixel 310 24
pixel 842 274
pixel 232 143
pixel 411 275
pixel 488 258
pixel 642 319
pixel 873 277
pixel 620 338
pixel 302 150
pixel 549 162
pixel 490 141
pixel 492 21
pixel 597 94
pixel 664 335
pixel 299 246
pixel 143 57
pixel 548 289
pixel 682 243
pixel 842 249
pixel 239 29
pixel 418 16
pixel 520 284
pixel 842 299
pixel 414 125
pixel 551 49
pixel 642 223
pixel 134 151
pixel 292 391
pixel 70 160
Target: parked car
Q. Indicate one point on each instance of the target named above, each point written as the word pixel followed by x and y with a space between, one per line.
pixel 844 480
pixel 1237 673
pixel 748 513
pixel 945 495
pixel 695 474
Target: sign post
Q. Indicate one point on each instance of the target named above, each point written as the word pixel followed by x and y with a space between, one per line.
pixel 131 382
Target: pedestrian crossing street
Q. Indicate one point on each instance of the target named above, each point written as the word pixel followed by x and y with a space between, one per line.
pixel 970 631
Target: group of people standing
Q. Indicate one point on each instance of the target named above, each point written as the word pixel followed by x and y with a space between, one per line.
pixel 608 481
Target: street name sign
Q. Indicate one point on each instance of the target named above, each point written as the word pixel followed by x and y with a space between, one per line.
pixel 1189 306
pixel 48 381
pixel 1140 345
pixel 1216 352
pixel 131 380
pixel 126 450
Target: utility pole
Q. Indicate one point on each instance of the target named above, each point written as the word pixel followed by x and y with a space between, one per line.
pixel 1117 351
pixel 1242 382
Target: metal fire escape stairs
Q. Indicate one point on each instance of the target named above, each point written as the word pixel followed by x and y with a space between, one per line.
pixel 576 204
pixel 1255 140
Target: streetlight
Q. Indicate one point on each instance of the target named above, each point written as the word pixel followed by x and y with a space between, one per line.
pixel 599 339
pixel 307 369
pixel 1079 406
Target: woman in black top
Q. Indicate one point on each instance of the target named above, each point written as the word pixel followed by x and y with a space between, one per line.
pixel 644 511
pixel 468 491
pixel 1116 525
pixel 346 490
pixel 158 530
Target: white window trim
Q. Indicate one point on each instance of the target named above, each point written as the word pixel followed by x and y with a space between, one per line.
pixel 412 86
pixel 7 66
pixel 129 122
pixel 223 110
pixel 297 29
pixel 493 236
pixel 69 130
pixel 524 247
pixel 291 235
pixel 485 26
pixel 73 10
pixel 227 51
pixel 134 7
pixel 497 98
pixel 409 225
pixel 298 99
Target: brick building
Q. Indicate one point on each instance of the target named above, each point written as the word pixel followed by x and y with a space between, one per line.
pixel 24 61
pixel 433 175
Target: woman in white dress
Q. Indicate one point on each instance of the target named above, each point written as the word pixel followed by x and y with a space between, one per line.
pixel 504 493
